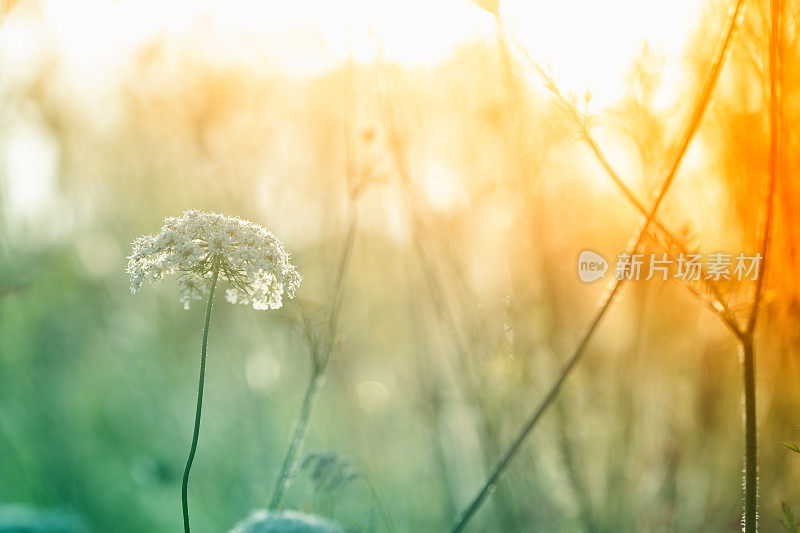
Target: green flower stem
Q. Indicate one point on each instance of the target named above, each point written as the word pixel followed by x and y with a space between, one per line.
pixel 185 485
pixel 299 436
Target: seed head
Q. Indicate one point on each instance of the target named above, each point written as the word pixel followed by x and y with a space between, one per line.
pixel 248 256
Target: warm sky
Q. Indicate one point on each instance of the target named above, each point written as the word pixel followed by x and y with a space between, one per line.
pixel 588 43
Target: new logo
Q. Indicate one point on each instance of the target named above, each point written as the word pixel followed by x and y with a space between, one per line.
pixel 591 266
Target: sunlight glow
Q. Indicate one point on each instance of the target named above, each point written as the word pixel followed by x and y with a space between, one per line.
pixel 591 44
pixel 588 44
pixel 31 161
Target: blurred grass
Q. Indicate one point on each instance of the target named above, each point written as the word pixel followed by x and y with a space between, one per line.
pixel 460 302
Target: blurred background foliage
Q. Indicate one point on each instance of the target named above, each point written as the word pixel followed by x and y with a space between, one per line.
pixel 476 196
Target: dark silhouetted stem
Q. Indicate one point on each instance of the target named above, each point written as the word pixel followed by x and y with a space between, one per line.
pixel 199 409
pixel 750 518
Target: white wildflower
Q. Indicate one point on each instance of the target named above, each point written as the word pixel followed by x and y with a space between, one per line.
pixel 248 256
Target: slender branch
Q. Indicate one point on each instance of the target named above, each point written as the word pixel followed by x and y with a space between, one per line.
pixel 750 513
pixel 608 297
pixel 581 119
pixel 199 408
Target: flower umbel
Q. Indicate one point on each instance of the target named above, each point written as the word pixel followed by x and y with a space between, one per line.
pixel 251 259
pixel 204 247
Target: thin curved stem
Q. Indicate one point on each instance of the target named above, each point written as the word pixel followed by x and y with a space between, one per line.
pixel 199 409
pixel 582 120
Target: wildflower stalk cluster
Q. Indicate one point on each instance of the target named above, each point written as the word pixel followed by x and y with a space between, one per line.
pixel 202 248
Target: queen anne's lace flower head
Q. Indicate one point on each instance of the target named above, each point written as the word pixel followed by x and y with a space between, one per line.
pixel 248 256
